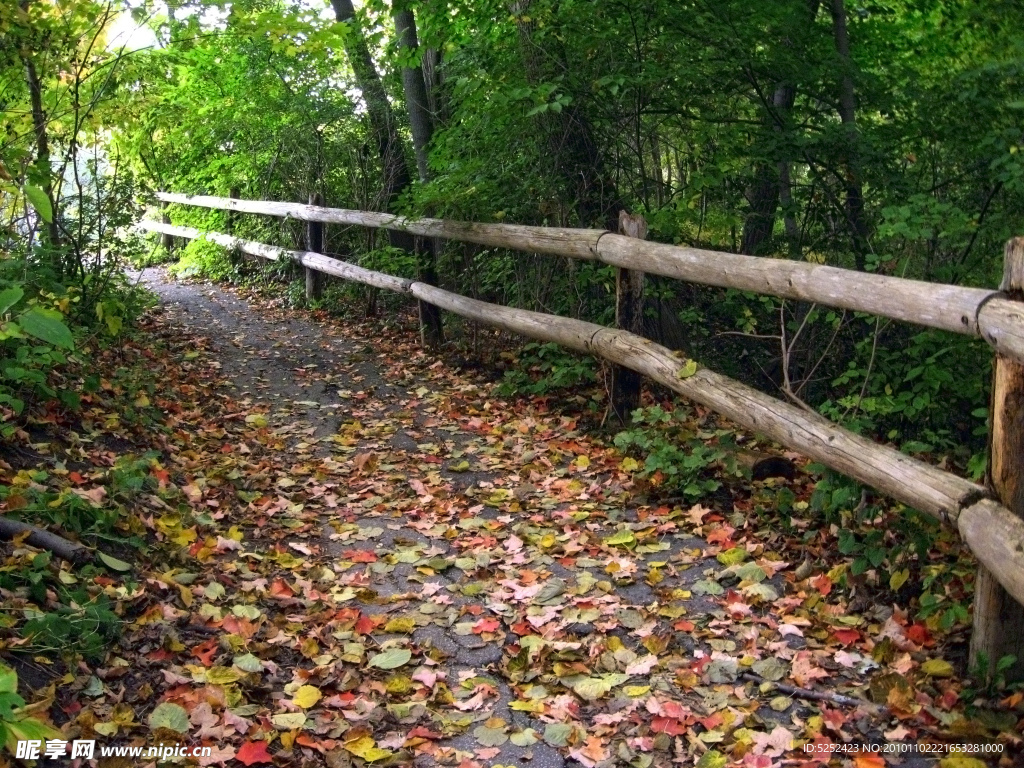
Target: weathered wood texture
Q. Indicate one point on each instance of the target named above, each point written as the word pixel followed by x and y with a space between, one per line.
pixel 315 261
pixel 998 618
pixel 575 243
pixel 948 307
pixel 926 488
pixel 314 244
pixel 629 316
pixel 970 311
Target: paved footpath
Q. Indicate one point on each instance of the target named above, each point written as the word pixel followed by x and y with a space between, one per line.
pixel 553 621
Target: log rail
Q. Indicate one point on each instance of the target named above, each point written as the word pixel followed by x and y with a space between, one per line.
pixel 993 532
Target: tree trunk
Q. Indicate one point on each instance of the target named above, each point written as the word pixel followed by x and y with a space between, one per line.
pixel 422 123
pixel 848 114
pixel 569 135
pixel 416 100
pixel 382 117
pixel 35 93
pixel 765 192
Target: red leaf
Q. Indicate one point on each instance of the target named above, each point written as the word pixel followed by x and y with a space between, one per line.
pixel 254 752
pixel 668 725
pixel 367 624
pixel 847 636
pixel 280 588
pixel 206 651
pixel 422 732
pixel 918 634
pixel 823 584
pixel 360 556
pixel 486 625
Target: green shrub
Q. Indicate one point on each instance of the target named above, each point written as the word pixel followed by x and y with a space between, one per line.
pixel 543 368
pixel 205 259
pixel 675 451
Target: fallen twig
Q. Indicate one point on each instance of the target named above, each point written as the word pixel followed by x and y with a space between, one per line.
pixel 71 551
pixel 806 693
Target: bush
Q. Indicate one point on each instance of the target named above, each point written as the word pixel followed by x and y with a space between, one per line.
pixel 674 451
pixel 205 259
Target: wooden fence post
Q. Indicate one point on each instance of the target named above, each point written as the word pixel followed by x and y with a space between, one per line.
pixel 629 316
pixel 229 223
pixel 167 241
pixel 314 243
pixel 999 619
pixel 431 324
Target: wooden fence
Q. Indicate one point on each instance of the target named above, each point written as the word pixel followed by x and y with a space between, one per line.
pixel 989 519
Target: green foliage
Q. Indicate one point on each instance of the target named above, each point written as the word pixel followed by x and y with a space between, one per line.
pixel 544 368
pixel 990 680
pixel 927 392
pixel 77 622
pixel 15 723
pixel 204 259
pixel 674 451
pixel 393 261
pixel 86 625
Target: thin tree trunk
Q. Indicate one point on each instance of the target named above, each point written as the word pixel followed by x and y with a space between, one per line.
pixel 35 92
pixel 378 108
pixel 421 122
pixel 848 114
pixel 788 216
pixel 569 135
pixel 765 191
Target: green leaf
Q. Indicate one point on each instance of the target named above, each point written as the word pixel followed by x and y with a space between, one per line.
pixel 47 326
pixel 170 716
pixel 391 659
pixel 557 734
pixel 31 728
pixel 525 738
pixel 113 563
pixel 687 369
pixel 9 297
pixel 8 679
pixel 621 538
pixel 248 663
pixel 39 200
pixel 490 737
pixel 712 759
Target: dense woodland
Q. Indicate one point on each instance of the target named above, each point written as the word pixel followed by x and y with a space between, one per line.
pixel 876 137
pixel 883 137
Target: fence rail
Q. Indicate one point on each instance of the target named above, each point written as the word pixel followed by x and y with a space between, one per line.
pixel 994 533
pixel 978 312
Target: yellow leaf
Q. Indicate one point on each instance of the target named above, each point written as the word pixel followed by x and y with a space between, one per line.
pixel 366 748
pixel 629 465
pixel 582 461
pixel 528 705
pixel 306 696
pixel 222 676
pixel 937 668
pixel 898 579
pixel 400 625
pixel 287 721
pixel 687 369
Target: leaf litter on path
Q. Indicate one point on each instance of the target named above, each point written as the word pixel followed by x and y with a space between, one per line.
pixel 366 557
